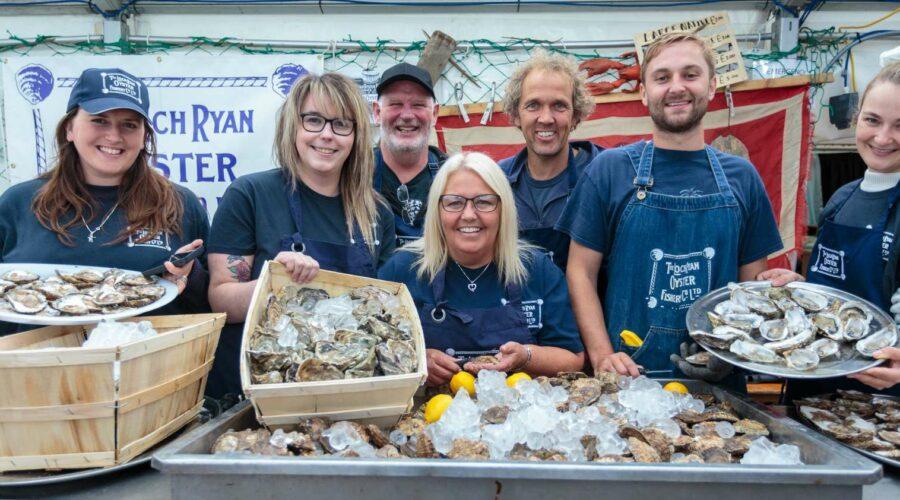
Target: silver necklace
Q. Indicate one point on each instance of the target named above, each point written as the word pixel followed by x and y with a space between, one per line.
pixel 106 218
pixel 472 286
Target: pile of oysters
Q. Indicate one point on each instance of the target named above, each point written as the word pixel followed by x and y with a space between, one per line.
pixel 861 420
pixel 306 335
pixel 77 293
pixel 794 326
pixel 697 440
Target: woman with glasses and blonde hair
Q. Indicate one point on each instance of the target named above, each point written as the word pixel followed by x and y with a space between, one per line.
pixel 316 211
pixel 479 289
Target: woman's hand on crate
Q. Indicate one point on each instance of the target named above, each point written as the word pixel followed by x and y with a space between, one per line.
pixel 441 367
pixel 300 266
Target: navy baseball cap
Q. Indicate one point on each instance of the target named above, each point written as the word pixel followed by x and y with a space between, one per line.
pixel 405 71
pixel 101 89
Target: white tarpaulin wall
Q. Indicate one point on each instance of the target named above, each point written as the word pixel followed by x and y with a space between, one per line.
pixel 214 116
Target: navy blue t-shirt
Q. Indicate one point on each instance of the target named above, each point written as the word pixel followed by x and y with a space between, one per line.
pixel 595 207
pixel 545 297
pixel 254 216
pixel 24 239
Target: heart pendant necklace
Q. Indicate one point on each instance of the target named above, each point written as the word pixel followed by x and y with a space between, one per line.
pixel 472 286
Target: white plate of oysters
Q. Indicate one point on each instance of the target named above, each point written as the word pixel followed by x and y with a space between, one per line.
pixel 57 294
pixel 800 330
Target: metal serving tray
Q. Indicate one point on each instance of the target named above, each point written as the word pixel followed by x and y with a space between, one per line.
pixel 835 471
pixel 850 362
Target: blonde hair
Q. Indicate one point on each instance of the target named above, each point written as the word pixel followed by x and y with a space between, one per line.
pixel 357 195
pixel 672 38
pixel 888 74
pixel 509 251
pixel 541 60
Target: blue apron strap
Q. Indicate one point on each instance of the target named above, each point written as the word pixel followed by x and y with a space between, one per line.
pixel 570 169
pixel 719 174
pixel 514 294
pixel 895 195
pixel 294 242
pixel 644 178
pixel 441 309
pixel 379 169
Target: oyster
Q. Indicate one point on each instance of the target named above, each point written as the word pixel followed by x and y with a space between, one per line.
pixel 855 328
pixel 6 285
pixel 495 415
pixel 53 290
pixel 73 305
pixel 699 359
pixel 750 427
pixel 752 351
pixel 721 337
pixel 317 370
pixel 26 301
pixel 396 357
pixel 802 359
pixel 150 291
pixel 853 309
pixel 20 277
pixel 828 325
pixel 730 307
pixel 774 329
pixel 466 449
pixel 825 348
pixel 747 322
pixel 107 296
pixel 808 299
pixel 83 278
pixel 886 337
pixel 355 337
pixel 381 329
pixel 799 340
pixel 139 280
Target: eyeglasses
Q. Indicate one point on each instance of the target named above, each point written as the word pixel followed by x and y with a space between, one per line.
pixel 457 203
pixel 403 198
pixel 314 122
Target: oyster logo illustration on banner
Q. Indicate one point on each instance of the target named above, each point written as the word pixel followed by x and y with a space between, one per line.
pixel 676 281
pixel 284 77
pixel 35 83
pixel 829 262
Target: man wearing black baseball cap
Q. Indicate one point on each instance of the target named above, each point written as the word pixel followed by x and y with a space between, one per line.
pixel 404 162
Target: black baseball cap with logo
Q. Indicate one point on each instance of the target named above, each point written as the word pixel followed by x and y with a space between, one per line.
pixel 102 89
pixel 405 71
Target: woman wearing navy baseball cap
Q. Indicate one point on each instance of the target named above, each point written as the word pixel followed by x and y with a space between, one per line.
pixel 102 204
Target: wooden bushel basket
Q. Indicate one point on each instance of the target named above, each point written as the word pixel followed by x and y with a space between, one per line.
pixel 378 400
pixel 61 409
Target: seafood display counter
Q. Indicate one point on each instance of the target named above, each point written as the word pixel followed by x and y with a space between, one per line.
pixel 831 470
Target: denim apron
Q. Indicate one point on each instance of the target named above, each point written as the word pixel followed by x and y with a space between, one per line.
pixel 405 232
pixel 554 243
pixel 668 251
pixel 849 258
pixel 467 333
pixel 350 259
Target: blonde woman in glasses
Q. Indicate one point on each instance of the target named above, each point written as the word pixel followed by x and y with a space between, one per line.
pixel 479 289
pixel 316 211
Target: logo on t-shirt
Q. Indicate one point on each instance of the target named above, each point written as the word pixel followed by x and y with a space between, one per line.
pixel 676 281
pixel 829 262
pixel 160 241
pixel 411 209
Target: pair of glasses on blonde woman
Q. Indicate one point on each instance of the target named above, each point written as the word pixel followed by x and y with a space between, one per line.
pixel 457 203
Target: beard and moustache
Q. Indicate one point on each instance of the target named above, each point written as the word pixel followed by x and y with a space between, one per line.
pixel 398 147
pixel 678 126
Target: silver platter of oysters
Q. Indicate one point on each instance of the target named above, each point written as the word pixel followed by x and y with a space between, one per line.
pixel 58 294
pixel 800 330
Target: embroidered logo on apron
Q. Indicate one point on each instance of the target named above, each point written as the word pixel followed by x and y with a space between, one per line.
pixel 160 241
pixel 886 242
pixel 531 310
pixel 829 262
pixel 676 281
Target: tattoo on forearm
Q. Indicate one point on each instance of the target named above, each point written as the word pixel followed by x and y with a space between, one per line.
pixel 240 269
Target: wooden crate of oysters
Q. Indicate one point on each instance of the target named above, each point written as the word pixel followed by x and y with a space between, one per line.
pixel 341 346
pixel 568 418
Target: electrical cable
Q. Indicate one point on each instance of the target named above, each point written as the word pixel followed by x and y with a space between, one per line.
pixel 873 23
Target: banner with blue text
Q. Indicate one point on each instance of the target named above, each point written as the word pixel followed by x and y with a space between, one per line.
pixel 214 116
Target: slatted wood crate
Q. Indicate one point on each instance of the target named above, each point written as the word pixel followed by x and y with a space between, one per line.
pixel 61 408
pixel 379 400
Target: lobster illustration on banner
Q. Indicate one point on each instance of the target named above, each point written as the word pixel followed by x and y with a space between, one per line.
pixel 601 66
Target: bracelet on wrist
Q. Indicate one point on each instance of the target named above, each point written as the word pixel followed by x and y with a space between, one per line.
pixel 528 355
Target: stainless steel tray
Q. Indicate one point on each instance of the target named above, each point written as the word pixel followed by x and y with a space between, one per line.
pixel 836 471
pixel 851 361
pixel 46 270
pixel 874 456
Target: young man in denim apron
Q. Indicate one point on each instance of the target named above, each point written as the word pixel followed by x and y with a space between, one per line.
pixel 546 99
pixel 672 218
pixel 404 162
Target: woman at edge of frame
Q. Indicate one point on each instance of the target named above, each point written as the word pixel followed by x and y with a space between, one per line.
pixel 859 225
pixel 102 204
pixel 316 210
pixel 472 280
